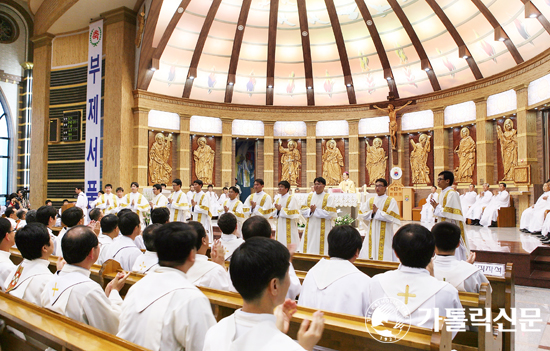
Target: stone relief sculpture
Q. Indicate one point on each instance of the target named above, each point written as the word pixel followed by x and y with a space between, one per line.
pixel 466 151
pixel 204 161
pixel 291 161
pixel 160 170
pixel 508 148
pixel 419 160
pixel 332 163
pixel 392 113
pixel 376 161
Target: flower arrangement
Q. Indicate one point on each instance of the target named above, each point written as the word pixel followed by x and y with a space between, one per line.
pixel 345 220
pixel 147 218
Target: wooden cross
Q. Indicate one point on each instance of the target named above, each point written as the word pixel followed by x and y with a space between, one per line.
pixel 406 295
pixel 54 289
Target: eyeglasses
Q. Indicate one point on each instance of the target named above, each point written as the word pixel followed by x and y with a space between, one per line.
pixel 379 186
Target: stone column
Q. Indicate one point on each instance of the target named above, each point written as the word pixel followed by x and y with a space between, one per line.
pixel 139 159
pixel 354 151
pixel 311 154
pixel 184 151
pixel 227 152
pixel 268 157
pixel 40 118
pixel 440 142
pixel 484 143
pixel 119 167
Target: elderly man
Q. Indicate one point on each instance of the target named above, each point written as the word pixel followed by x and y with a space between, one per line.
pixel 533 217
pixel 468 198
pixel 490 214
pixel 482 201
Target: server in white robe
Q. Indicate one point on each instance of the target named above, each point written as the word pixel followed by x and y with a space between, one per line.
pixel 147 262
pixel 335 284
pixel 71 217
pixel 210 274
pixel 28 279
pixel 490 213
pixel 191 193
pixel 158 200
pixel 82 202
pixel 286 212
pixel 380 213
pixel 482 201
pixel 255 327
pixel 229 240
pixel 533 217
pixel 178 203
pixel 224 196
pixel 164 310
pixel 109 232
pixel 468 198
pixel 120 198
pixel 7 233
pixel 412 283
pixel 427 212
pixel 72 293
pixel 463 275
pixel 233 205
pixel 136 202
pixel 259 203
pixel 201 210
pixel 450 210
pixel 213 199
pixel 108 202
pixel 124 249
pixel 319 211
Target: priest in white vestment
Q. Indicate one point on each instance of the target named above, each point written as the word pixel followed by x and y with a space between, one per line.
pixel 158 200
pixel 412 284
pixel 147 262
pixel 255 327
pixel 191 193
pixel 468 198
pixel 335 284
pixel 490 213
pixel 319 211
pixel 381 213
pixel 450 210
pixel 427 212
pixel 124 249
pixel 120 198
pixel 232 204
pixel 178 203
pixel 224 196
pixel 213 199
pixel 108 202
pixel 259 203
pixel 229 240
pixel 7 233
pixel 72 293
pixel 532 218
pixel 71 218
pixel 482 201
pixel 82 203
pixel 286 212
pixel 28 279
pixel 136 202
pixel 164 310
pixel 210 274
pixel 201 210
pixel 347 185
pixel 463 275
pixel 109 232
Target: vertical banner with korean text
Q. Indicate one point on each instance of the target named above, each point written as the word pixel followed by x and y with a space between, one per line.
pixel 93 111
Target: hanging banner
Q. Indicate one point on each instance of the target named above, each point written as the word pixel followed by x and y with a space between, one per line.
pixel 93 110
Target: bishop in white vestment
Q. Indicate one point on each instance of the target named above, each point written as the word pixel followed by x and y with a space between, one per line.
pixel 427 212
pixel 178 203
pixel 490 213
pixel 287 212
pixel 201 209
pixel 532 218
pixel 482 201
pixel 259 203
pixel 468 198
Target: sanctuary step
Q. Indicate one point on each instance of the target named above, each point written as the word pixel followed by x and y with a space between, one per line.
pixel 540 267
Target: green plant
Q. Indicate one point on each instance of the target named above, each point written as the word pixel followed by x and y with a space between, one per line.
pixel 345 220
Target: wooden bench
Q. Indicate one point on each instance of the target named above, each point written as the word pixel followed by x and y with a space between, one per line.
pixel 51 329
pixel 416 210
pixel 507 216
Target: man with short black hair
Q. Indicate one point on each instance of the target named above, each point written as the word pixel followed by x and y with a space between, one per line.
pixel 286 212
pixel 46 215
pixel 71 217
pixel 163 310
pixel 109 232
pixel 259 203
pixel 119 199
pixel 7 234
pixel 318 211
pixel 31 217
pixel 201 210
pixel 82 202
pixel 336 284
pixel 48 203
pixel 123 249
pixel 149 260
pixel 108 202
pixel 490 213
pixel 178 203
pixel 427 212
pixel 159 200
pixel 136 202
pixel 213 199
pixel 382 214
pixel 190 193
pixel 72 293
pixel 223 197
pixel 160 215
pixel 11 215
pixel 412 283
pixel 255 327
pixel 229 240
pixel 462 275
pixel 28 279
pixel 233 205
pixel 21 218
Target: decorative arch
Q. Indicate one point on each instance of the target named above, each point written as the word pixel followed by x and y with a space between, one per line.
pixel 6 142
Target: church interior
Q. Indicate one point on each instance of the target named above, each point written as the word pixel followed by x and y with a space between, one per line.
pixel 235 91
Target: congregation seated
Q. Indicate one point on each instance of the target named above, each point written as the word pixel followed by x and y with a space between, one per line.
pixel 149 260
pixel 335 284
pixel 71 217
pixel 412 283
pixel 21 218
pixel 462 275
pixel 8 240
pixel 72 293
pixel 468 198
pixel 46 215
pixel 427 212
pixel 210 274
pixel 95 220
pixel 109 232
pixel 164 310
pixel 123 249
pixel 229 240
pixel 255 326
pixel 490 213
pixel 532 218
pixel 482 201
pixel 28 279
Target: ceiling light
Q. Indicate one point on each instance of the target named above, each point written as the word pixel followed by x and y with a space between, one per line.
pixel 388 78
pixel 231 83
pixel 191 77
pixel 153 69
pixel 531 10
pixel 348 85
pixel 463 52
pixel 309 87
pixel 500 34
pixel 425 64
pixel 270 86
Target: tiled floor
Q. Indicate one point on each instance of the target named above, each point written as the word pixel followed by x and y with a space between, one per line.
pixel 528 297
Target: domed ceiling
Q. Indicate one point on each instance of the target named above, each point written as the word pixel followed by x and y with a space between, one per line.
pixel 332 52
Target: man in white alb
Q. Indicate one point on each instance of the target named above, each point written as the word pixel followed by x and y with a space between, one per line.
pixel 159 200
pixel 224 196
pixel 7 233
pixel 259 203
pixel 382 213
pixel 286 212
pixel 482 201
pixel 72 293
pixel 213 199
pixel 201 209
pixel 532 218
pixel 229 240
pixel 119 198
pixel 164 310
pixel 109 232
pixel 468 198
pixel 82 203
pixel 233 205
pixel 427 212
pixel 463 275
pixel 71 218
pixel 108 202
pixel 335 284
pixel 190 193
pixel 490 213
pixel 412 283
pixel 136 202
pixel 147 262
pixel 124 249
pixel 318 211
pixel 178 203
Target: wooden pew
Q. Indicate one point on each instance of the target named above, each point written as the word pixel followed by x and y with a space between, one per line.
pixel 51 329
